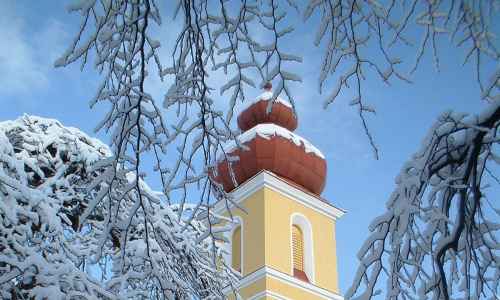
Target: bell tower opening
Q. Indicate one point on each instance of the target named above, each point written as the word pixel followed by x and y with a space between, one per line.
pixel 302 248
pixel 298 253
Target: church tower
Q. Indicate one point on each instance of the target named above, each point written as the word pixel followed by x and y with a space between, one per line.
pixel 284 244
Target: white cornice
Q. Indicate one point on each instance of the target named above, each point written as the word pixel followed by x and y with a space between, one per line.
pixel 285 278
pixel 268 179
pixel 268 295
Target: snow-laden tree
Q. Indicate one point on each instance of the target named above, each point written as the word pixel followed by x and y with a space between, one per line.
pixel 435 222
pixel 439 238
pixel 43 167
pixel 70 229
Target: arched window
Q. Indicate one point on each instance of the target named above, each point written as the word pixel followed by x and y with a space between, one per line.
pixel 302 266
pixel 298 253
pixel 236 249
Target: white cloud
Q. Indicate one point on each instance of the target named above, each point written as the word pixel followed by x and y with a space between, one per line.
pixel 26 54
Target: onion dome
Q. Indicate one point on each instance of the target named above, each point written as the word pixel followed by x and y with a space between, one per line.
pixel 281 112
pixel 269 144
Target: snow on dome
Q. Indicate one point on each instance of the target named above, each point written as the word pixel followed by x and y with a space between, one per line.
pixel 268 143
pixel 268 95
pixel 280 113
pixel 269 130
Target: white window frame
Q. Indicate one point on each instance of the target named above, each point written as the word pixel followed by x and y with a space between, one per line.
pixel 303 223
pixel 229 246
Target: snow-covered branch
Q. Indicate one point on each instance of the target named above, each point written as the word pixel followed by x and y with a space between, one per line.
pixel 70 226
pixel 117 35
pixel 244 40
pixel 439 238
pixel 360 36
pixel 44 168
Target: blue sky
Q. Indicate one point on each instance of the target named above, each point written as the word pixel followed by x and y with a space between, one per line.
pixel 34 33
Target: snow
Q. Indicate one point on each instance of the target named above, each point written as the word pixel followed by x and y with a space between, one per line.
pixel 43 167
pixel 423 228
pixel 64 204
pixel 267 131
pixel 268 95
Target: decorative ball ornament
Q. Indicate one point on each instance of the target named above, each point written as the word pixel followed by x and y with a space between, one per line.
pixel 271 145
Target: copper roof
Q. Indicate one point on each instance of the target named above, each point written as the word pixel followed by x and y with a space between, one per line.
pixel 273 148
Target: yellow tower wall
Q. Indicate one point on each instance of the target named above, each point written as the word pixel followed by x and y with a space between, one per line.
pixel 266 235
pixel 279 210
pixel 253 231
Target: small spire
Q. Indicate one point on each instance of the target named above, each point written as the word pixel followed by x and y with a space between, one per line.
pixel 268 86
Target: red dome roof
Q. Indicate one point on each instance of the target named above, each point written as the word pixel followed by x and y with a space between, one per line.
pixel 281 114
pixel 278 155
pixel 273 147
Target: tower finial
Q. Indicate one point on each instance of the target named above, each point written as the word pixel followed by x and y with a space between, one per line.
pixel 268 86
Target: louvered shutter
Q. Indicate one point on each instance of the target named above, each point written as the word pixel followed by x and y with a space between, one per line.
pixel 298 248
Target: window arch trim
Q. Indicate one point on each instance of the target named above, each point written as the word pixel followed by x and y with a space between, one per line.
pixel 238 223
pixel 305 226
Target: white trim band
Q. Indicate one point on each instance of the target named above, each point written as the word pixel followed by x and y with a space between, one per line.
pixel 268 179
pixel 285 278
pixel 268 294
